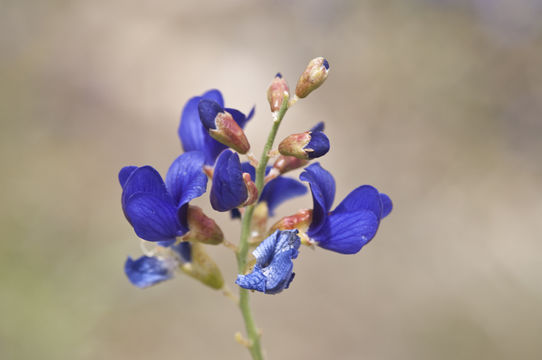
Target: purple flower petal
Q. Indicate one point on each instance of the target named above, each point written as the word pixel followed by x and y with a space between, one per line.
pixel 347 232
pixel 154 218
pixel 323 192
pixel 228 190
pixel 364 197
pixel 185 178
pixel 147 271
pixel 144 179
pixel 319 144
pixel 273 270
pixel 125 173
pixel 387 205
pixel 280 190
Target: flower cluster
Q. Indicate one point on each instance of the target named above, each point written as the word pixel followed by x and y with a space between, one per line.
pixel 174 232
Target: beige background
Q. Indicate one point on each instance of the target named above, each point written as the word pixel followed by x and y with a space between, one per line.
pixel 437 103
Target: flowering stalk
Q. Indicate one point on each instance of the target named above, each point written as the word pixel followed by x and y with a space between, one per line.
pixel 252 331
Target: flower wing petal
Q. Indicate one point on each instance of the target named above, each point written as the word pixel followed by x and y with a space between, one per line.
pixel 147 271
pixel 347 232
pixel 154 218
pixel 322 187
pixel 228 190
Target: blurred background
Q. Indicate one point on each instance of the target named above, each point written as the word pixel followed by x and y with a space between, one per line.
pixel 436 102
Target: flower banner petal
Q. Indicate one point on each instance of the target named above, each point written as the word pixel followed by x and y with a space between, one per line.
pixel 185 178
pixel 322 187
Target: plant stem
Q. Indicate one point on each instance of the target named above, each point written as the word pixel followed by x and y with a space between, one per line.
pixel 252 332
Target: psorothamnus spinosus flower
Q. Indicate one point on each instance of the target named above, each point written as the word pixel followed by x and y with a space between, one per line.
pixel 174 233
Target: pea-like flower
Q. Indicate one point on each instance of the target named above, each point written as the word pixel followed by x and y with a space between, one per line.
pixel 150 270
pixel 157 210
pixel 273 271
pixel 353 223
pixel 193 134
pixel 161 263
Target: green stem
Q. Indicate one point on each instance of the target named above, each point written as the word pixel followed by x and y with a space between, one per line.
pixel 252 332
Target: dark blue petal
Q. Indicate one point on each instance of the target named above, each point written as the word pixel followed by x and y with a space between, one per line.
pixel 185 178
pixel 387 205
pixel 147 271
pixel 191 131
pixel 214 95
pixel 125 173
pixel 323 192
pixel 319 144
pixel 346 232
pixel 184 249
pixel 318 127
pixel 364 197
pixel 228 190
pixel 143 180
pixel 273 270
pixel 208 110
pixel 279 190
pixel 154 218
pixel 239 117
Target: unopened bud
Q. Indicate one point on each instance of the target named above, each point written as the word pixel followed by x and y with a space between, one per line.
pixel 277 91
pixel 314 75
pixel 288 163
pixel 202 228
pixel 307 145
pixel 300 221
pixel 251 189
pixel 203 268
pixel 222 126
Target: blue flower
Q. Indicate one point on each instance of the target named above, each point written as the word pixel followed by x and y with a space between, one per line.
pixel 157 210
pixel 150 270
pixel 273 270
pixel 192 133
pixel 353 223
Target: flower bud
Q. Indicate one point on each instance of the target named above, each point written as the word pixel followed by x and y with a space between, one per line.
pixel 276 92
pixel 307 145
pixel 314 75
pixel 288 163
pixel 222 126
pixel 301 221
pixel 203 268
pixel 202 228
